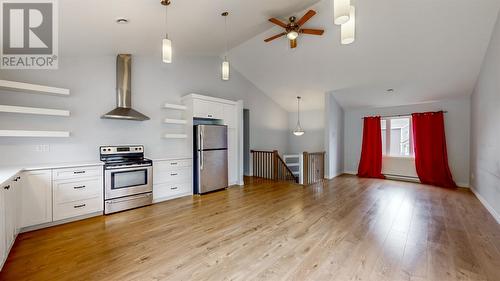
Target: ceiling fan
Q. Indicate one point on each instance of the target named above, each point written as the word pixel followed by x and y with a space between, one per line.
pixel 294 28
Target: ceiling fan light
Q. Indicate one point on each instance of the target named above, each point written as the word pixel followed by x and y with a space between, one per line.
pixel 225 70
pixel 167 50
pixel 341 10
pixel 348 30
pixel 292 35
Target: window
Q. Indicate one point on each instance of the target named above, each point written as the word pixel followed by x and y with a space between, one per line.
pixel 397 136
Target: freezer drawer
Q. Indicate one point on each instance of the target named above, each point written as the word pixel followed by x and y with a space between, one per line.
pixel 212 170
pixel 212 137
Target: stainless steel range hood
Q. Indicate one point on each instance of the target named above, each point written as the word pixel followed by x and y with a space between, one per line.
pixel 123 108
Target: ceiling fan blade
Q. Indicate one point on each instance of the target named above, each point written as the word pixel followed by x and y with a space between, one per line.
pixel 306 17
pixel 274 37
pixel 312 31
pixel 293 43
pixel 277 22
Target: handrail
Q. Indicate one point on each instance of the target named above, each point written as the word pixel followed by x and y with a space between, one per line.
pixel 270 165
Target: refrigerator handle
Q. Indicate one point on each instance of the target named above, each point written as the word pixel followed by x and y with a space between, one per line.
pixel 201 148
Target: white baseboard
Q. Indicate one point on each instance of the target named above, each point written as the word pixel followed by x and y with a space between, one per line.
pixel 351 172
pixel 486 205
pixel 463 184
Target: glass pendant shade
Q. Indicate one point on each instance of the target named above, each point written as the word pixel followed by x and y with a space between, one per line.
pixel 298 130
pixel 292 35
pixel 167 50
pixel 341 10
pixel 348 30
pixel 225 70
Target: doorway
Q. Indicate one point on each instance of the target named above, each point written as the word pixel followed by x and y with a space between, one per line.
pixel 246 142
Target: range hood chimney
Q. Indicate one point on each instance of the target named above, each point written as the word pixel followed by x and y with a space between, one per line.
pixel 123 108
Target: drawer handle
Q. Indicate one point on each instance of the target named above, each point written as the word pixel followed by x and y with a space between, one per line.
pixel 210 115
pixel 79 206
pixel 174 163
pixel 79 172
pixel 6 187
pixel 173 174
pixel 79 187
pixel 174 188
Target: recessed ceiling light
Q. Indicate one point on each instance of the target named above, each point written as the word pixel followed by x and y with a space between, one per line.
pixel 121 20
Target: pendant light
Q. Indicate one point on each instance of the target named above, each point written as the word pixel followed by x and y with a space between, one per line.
pixel 225 63
pixel 348 30
pixel 166 43
pixel 341 10
pixel 298 129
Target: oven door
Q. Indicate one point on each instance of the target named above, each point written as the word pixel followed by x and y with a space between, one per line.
pixel 122 182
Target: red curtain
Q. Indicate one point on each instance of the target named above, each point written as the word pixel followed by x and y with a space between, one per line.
pixel 370 164
pixel 431 157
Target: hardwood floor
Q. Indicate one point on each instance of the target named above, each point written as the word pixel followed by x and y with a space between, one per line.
pixel 343 229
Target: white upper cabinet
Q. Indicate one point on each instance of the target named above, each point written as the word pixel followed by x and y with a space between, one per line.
pixel 36 198
pixel 230 115
pixel 207 109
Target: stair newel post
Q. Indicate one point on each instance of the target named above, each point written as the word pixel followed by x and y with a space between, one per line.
pixel 275 164
pixel 306 167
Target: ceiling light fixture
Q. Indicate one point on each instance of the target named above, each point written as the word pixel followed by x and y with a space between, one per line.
pixel 292 35
pixel 225 63
pixel 166 43
pixel 298 131
pixel 341 11
pixel 348 29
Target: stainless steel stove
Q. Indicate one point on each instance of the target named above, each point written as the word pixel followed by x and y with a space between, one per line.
pixel 128 178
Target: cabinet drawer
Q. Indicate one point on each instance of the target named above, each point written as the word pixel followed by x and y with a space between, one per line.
pixel 182 174
pixel 171 189
pixel 78 172
pixel 171 165
pixel 66 191
pixel 77 208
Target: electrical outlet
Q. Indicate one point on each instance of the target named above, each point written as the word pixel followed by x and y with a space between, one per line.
pixel 42 148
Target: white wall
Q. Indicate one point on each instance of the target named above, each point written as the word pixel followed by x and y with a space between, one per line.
pixel 485 138
pixel 313 123
pixel 334 137
pixel 457 128
pixel 92 84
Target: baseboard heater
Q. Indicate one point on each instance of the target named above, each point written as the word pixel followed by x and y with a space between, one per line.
pixel 402 178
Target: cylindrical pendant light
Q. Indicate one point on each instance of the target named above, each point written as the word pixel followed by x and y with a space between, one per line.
pixel 225 64
pixel 225 70
pixel 348 30
pixel 166 48
pixel 341 9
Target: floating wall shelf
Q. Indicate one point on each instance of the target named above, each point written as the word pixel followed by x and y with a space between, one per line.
pixel 174 121
pixel 33 110
pixel 175 136
pixel 34 134
pixel 32 88
pixel 174 106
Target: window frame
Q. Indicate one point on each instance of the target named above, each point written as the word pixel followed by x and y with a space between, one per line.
pixel 387 149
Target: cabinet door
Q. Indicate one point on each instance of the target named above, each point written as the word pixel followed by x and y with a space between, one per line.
pixel 3 238
pixel 232 156
pixel 230 118
pixel 207 109
pixel 36 194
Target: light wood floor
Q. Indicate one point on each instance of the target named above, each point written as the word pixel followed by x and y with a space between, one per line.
pixel 343 229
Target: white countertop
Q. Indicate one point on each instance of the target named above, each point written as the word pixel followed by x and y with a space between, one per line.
pixel 8 172
pixel 171 158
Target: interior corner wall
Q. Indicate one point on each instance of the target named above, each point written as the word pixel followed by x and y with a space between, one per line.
pixel 91 80
pixel 485 129
pixel 334 137
pixel 457 130
pixel 313 123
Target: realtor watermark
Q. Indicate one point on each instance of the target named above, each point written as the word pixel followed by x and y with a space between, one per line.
pixel 29 38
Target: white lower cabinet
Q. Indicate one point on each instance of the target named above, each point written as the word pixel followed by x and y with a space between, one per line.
pixel 172 179
pixel 36 194
pixel 10 217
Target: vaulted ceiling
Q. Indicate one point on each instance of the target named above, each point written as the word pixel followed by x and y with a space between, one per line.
pixel 426 50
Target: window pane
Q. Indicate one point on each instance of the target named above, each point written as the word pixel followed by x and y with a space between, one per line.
pixel 400 137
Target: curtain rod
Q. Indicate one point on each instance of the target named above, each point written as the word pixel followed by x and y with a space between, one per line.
pixel 404 115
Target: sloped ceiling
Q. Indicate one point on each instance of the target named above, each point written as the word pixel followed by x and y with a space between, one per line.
pixel 426 50
pixel 195 26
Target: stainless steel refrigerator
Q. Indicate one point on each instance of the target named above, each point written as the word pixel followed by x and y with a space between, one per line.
pixel 210 158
